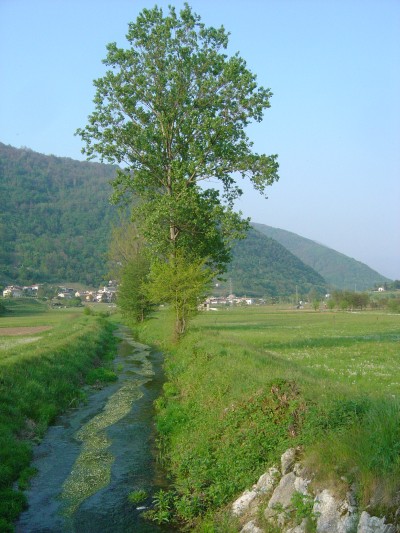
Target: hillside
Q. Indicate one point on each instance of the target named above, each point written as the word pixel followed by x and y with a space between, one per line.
pixel 339 270
pixel 54 218
pixel 55 221
pixel 263 267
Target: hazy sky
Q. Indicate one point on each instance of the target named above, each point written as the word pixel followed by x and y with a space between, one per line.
pixel 334 121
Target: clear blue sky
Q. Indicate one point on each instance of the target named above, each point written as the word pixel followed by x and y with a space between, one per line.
pixel 334 69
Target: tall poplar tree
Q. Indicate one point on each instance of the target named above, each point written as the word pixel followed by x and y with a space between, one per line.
pixel 172 112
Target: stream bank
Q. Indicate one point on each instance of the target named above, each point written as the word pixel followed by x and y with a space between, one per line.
pixel 97 454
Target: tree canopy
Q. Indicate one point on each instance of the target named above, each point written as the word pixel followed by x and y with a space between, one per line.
pixel 173 111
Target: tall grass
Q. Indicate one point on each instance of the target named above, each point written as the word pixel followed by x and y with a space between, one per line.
pixel 245 384
pixel 38 380
pixel 366 453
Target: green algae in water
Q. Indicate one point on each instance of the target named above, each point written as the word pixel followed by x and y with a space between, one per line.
pixel 92 469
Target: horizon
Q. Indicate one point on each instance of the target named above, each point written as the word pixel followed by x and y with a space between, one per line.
pixel 334 121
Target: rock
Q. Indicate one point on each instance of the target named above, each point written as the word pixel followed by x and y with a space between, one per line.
pixel 301 485
pixel 242 504
pixel 372 524
pixel 288 485
pixel 300 470
pixel 251 527
pixel 301 528
pixel 283 493
pixel 287 460
pixel 264 485
pixel 334 516
pixel 267 481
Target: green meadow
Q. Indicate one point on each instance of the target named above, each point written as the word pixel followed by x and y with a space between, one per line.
pixel 46 356
pixel 242 386
pixel 245 384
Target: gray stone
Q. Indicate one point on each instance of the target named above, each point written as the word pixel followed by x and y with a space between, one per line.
pixel 301 485
pixel 373 524
pixel 334 516
pixel 267 481
pixel 287 460
pixel 242 504
pixel 283 493
pixel 251 527
pixel 288 485
pixel 301 528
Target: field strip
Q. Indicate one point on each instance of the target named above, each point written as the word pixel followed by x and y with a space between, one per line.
pixel 23 330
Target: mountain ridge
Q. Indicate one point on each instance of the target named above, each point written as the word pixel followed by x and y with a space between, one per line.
pixel 338 269
pixel 56 219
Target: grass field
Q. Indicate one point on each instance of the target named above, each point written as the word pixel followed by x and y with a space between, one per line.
pixel 45 358
pixel 247 383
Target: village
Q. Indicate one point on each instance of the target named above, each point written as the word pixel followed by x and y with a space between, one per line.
pixel 106 294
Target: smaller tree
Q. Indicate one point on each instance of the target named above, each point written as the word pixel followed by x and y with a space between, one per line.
pixel 131 296
pixel 331 304
pixel 181 283
pixel 316 304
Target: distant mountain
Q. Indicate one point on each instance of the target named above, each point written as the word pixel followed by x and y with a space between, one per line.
pixel 55 218
pixel 263 267
pixel 339 270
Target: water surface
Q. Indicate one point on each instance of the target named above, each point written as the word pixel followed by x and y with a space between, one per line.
pixel 97 454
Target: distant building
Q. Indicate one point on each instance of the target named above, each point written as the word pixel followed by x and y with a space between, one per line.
pixel 31 290
pixel 13 291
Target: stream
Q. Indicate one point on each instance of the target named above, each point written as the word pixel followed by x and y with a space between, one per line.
pixel 97 454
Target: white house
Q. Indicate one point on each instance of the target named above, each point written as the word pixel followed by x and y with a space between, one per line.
pixel 12 291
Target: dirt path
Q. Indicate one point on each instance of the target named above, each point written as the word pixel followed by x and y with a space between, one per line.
pixel 27 330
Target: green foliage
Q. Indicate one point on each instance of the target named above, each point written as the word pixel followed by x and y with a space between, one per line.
pixel 365 450
pixel 25 477
pixel 393 304
pixel 12 503
pixel 350 300
pixel 181 283
pixel 67 302
pixel 132 298
pixel 316 304
pixel 301 509
pixel 100 375
pixel 137 496
pixel 55 219
pixel 174 109
pixel 263 267
pixel 163 506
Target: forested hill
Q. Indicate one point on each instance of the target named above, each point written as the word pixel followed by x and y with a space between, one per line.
pixel 55 222
pixel 339 270
pixel 263 267
pixel 55 218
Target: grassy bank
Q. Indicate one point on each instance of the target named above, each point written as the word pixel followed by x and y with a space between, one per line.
pixel 246 384
pixel 45 358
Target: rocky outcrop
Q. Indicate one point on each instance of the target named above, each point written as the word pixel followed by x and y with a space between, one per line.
pixel 373 524
pixel 251 498
pixel 285 501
